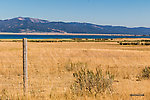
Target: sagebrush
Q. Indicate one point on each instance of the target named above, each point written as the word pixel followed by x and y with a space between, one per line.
pixel 146 72
pixel 89 83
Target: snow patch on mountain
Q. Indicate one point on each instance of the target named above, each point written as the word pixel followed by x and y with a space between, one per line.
pixel 35 20
pixel 20 18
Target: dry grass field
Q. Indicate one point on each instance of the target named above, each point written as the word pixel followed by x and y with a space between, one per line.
pixel 49 76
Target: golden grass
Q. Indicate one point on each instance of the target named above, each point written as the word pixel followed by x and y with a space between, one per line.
pixel 49 78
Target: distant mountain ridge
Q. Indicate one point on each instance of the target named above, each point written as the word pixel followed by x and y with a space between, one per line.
pixel 31 25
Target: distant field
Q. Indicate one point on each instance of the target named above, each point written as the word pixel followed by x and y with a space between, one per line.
pixel 50 79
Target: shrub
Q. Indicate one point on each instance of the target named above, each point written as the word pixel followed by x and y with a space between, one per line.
pixel 146 72
pixel 4 95
pixel 71 66
pixel 89 83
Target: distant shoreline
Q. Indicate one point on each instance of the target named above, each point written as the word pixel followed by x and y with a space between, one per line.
pixel 68 34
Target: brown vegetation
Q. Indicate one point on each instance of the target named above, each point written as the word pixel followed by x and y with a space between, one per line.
pixel 51 67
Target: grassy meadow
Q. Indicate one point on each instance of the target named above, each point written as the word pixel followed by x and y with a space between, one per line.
pixel 51 66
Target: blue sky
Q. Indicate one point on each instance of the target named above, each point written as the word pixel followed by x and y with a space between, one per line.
pixel 108 12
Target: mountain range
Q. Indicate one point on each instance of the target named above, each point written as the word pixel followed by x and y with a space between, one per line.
pixel 31 25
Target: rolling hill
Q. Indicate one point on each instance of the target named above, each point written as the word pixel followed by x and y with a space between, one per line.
pixel 31 25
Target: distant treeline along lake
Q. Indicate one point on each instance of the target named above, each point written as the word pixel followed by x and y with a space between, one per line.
pixel 66 36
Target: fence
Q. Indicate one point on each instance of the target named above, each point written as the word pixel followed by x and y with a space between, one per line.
pixel 50 66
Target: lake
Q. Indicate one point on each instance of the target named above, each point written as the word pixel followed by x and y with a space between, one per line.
pixel 65 36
